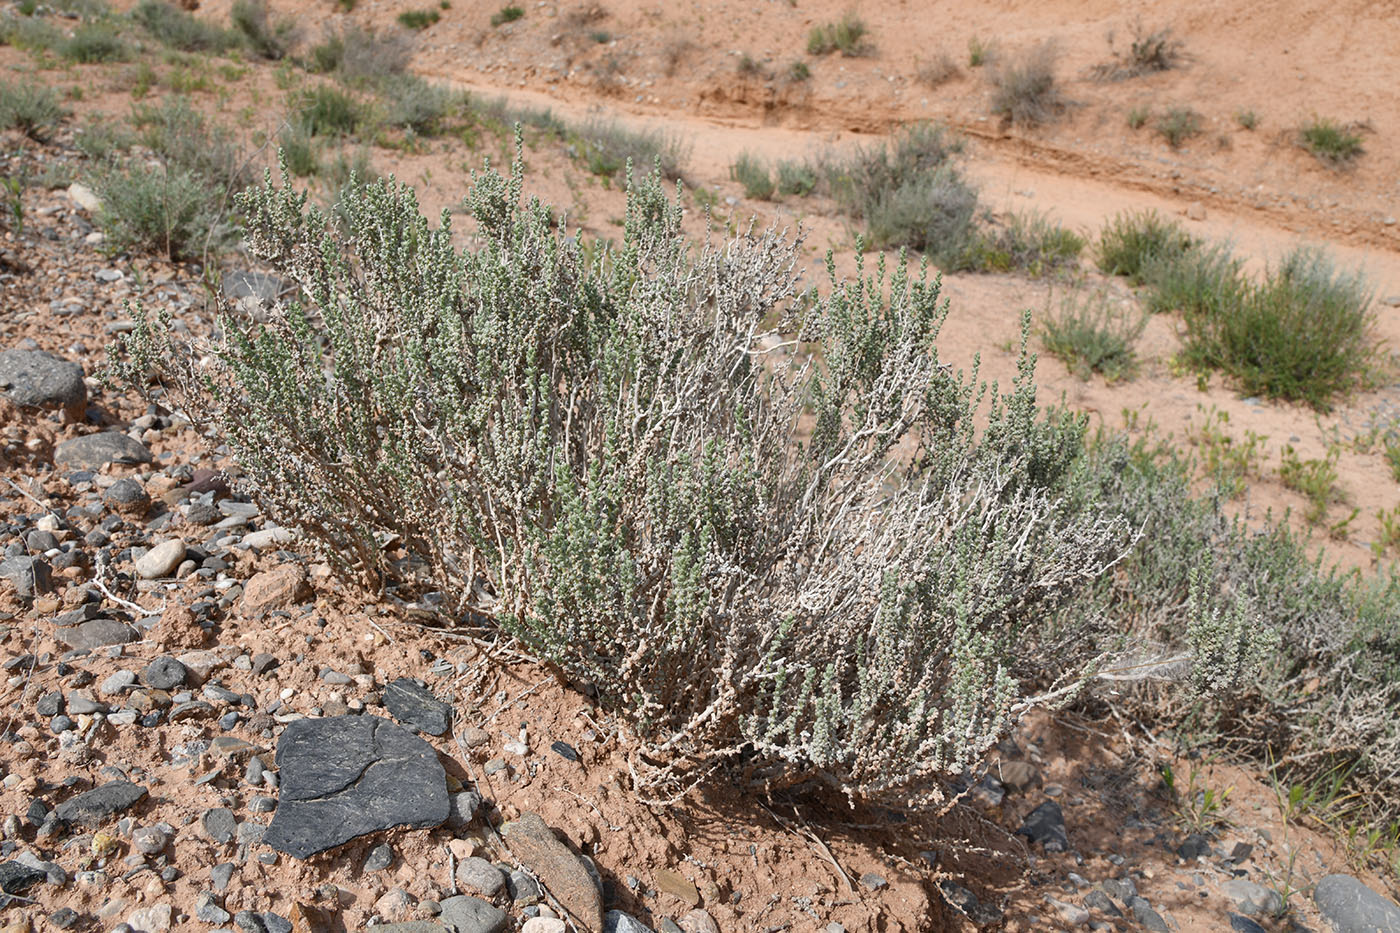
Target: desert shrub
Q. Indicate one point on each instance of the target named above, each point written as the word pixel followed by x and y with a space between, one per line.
pixel 298 150
pixel 1196 280
pixel 177 29
pixel 1031 243
pixel 422 19
pixel 361 56
pixel 798 71
pixel 328 111
pixel 754 175
pixel 1316 480
pixel 265 38
pixel 796 178
pixel 1179 124
pixel 103 138
pixel 861 178
pixel 30 107
pixel 1247 119
pixel 933 213
pixel 184 139
pixel 1327 690
pixel 1303 334
pixel 507 14
pixel 12 202
pixel 847 36
pixel 161 209
pixel 95 43
pixel 30 34
pixel 606 146
pixel 1138 117
pixel 1094 333
pixel 1024 91
pixel 592 454
pixel 411 103
pixel 937 71
pixel 1330 141
pixel 1148 51
pixel 979 52
pixel 1130 239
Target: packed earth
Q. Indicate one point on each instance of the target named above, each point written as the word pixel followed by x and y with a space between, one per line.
pixel 204 729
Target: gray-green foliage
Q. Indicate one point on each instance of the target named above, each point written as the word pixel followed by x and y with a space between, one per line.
pixel 815 564
pixel 30 107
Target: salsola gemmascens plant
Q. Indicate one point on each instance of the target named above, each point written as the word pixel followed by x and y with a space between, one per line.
pixel 768 526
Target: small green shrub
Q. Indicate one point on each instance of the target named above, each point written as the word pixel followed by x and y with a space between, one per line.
pixel 1330 141
pixel 796 178
pixel 847 36
pixel 798 71
pixel 1138 117
pixel 103 138
pixel 177 29
pixel 1392 457
pixel 362 57
pixel 1130 239
pixel 95 43
pixel 422 19
pixel 12 202
pixel 184 139
pixel 595 439
pixel 979 53
pixel 932 213
pixel 1198 280
pixel 754 176
pixel 30 34
pixel 298 150
pixel 1178 125
pixel 1303 334
pixel 1024 92
pixel 32 108
pixel 329 111
pixel 606 146
pixel 1094 333
pixel 263 37
pixel 414 104
pixel 1028 243
pixel 1148 51
pixel 1247 119
pixel 1228 460
pixel 1315 479
pixel 28 7
pixel 507 14
pixel 162 210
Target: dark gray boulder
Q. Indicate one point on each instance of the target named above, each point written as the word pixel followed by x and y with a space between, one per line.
pixel 35 379
pixel 94 451
pixel 343 777
pixel 1351 907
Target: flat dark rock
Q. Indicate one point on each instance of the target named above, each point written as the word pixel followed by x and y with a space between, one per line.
pixel 99 804
pixel 93 451
pixel 343 777
pixel 412 704
pixel 1351 907
pixel 96 634
pixel 35 379
pixel 463 914
pixel 1046 825
pixel 29 574
pixel 16 877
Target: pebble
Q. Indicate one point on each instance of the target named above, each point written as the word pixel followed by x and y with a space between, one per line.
pixel 150 841
pixel 117 683
pixel 207 910
pixel 160 560
pixel 164 673
pixel 221 874
pixel 379 858
pixel 478 876
pixel 220 824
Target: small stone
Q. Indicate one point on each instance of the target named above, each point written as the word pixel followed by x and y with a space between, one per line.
pixel 164 673
pixel 1245 925
pixel 1097 900
pixel 99 804
pixel 379 858
pixel 207 910
pixel 395 905
pixel 564 750
pixel 84 197
pixel 249 921
pixel 413 704
pixel 617 922
pixel 1193 846
pixel 523 888
pixel 1072 914
pixel 30 575
pixel 160 560
pixel 127 497
pixel 1145 915
pixel 1046 825
pixel 462 808
pixel 153 919
pixel 274 589
pixel 873 881
pixel 94 451
pixel 1351 907
pixel 151 840
pixel 479 876
pixel 17 878
pixel 1253 899
pixel 472 915
pixel 1019 776
pixel 698 921
pixel 220 875
pixel 678 886
pixel 98 633
pixel 35 379
pixel 64 918
pixel 220 824
pixel 544 925
pixel 117 684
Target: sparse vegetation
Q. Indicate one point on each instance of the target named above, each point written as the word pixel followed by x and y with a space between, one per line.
pixel 31 108
pixel 1148 51
pixel 937 71
pixel 979 53
pixel 606 146
pixel 1247 119
pixel 1024 92
pixel 1329 141
pixel 1138 117
pixel 361 57
pixel 328 111
pixel 160 209
pixel 1094 333
pixel 754 176
pixel 1201 279
pixel 177 29
pixel 796 178
pixel 422 19
pixel 95 43
pixel 798 71
pixel 413 104
pixel 1229 461
pixel 506 14
pixel 1028 243
pixel 1303 334
pixel 1315 479
pixel 1131 239
pixel 263 37
pixel 1179 124
pixel 847 35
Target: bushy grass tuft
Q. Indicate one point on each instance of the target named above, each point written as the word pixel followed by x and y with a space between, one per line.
pixel 361 56
pixel 606 146
pixel 177 29
pixel 796 178
pixel 101 139
pixel 422 19
pixel 298 150
pixel 30 107
pixel 265 38
pixel 95 43
pixel 328 111
pixel 937 71
pixel 754 175
pixel 161 209
pixel 1148 51
pixel 1130 239
pixel 1193 281
pixel 932 212
pixel 848 35
pixel 1030 243
pixel 184 139
pixel 1094 333
pixel 1179 124
pixel 507 14
pixel 1330 141
pixel 1303 334
pixel 1024 91
pixel 1316 480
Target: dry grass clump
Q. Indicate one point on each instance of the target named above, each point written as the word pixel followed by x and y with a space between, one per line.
pixel 1024 92
pixel 1148 52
